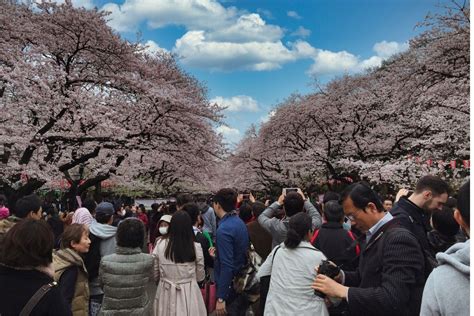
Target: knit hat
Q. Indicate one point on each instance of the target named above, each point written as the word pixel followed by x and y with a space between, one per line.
pixel 82 216
pixel 105 208
pixel 166 218
pixel 4 212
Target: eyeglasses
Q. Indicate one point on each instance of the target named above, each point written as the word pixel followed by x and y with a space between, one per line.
pixel 351 216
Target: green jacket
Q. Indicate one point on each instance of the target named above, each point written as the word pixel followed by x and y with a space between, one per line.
pixel 124 276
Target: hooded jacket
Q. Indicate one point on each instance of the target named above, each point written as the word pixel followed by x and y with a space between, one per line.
pixel 66 259
pixel 447 288
pixel 106 234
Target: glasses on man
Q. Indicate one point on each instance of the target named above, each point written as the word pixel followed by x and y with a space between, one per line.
pixel 351 216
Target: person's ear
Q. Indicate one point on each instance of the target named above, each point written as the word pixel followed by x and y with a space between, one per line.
pixel 427 195
pixel 372 208
pixel 458 218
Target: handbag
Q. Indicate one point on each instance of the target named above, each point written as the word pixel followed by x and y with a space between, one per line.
pixel 209 295
pixel 246 281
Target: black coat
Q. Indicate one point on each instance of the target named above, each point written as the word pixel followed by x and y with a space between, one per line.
pixel 389 280
pixel 415 220
pixel 18 286
pixel 337 245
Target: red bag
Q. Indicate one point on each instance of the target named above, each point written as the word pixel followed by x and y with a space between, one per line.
pixel 209 296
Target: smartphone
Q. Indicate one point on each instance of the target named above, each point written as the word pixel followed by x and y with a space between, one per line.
pixel 288 190
pixel 246 196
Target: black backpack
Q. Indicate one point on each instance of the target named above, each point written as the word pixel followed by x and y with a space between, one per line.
pixel 92 258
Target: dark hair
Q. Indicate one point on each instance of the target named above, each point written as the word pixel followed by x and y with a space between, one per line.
pixel 463 202
pixel 142 208
pixel 130 233
pixel 293 203
pixel 451 202
pixel 117 205
pixel 72 233
pixel 193 211
pixel 299 225
pixel 27 204
pixel 361 195
pixel 333 211
pixel 180 248
pixel 227 198
pixel 29 243
pixel 155 206
pixel 90 205
pixel 257 208
pixel 245 211
pixel 331 196
pixel 172 208
pixel 102 218
pixel 433 183
pixel 3 200
pixel 444 222
pixel 184 198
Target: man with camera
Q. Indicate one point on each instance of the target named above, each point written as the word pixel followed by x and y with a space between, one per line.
pixel 293 201
pixel 389 279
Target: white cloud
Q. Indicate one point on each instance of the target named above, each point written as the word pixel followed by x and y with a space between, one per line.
pixel 230 135
pixel 301 32
pixel 266 13
pixel 237 103
pixel 327 62
pixel 152 47
pixel 386 49
pixel 267 117
pixel 247 28
pixel 193 14
pixel 196 50
pixel 294 15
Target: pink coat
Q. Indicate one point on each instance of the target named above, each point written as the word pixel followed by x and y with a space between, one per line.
pixel 178 292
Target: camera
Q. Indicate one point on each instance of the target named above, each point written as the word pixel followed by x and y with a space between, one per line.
pixel 328 269
pixel 288 190
pixel 246 196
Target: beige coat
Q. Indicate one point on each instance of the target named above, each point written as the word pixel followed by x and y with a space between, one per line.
pixel 62 260
pixel 178 292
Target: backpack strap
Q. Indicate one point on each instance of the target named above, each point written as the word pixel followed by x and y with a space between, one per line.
pixel 315 235
pixel 34 300
pixel 357 247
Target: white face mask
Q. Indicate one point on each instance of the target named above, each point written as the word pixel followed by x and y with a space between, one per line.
pixel 123 213
pixel 163 230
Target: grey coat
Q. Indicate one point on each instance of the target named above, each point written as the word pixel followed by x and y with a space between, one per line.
pixel 124 276
pixel 447 288
pixel 278 227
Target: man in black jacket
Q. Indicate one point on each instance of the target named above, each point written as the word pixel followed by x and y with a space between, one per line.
pixel 389 280
pixel 413 212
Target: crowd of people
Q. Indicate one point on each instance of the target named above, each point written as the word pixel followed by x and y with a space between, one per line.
pixel 353 253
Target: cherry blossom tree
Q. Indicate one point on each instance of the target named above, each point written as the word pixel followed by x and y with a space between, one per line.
pixel 84 104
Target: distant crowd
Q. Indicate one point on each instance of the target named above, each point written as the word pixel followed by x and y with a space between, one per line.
pixel 353 253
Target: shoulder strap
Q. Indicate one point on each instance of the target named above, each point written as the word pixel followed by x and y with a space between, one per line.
pixel 357 247
pixel 315 235
pixel 273 258
pixel 26 311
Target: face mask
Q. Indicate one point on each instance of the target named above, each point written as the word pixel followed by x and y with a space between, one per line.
pixel 163 230
pixel 346 225
pixel 123 213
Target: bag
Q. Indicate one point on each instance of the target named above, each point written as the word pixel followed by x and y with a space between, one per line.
pixel 265 286
pixel 209 291
pixel 34 300
pixel 246 281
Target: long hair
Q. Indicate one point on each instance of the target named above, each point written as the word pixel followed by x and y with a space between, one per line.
pixel 180 248
pixel 299 225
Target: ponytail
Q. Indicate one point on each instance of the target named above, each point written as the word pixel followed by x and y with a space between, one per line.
pixel 293 239
pixel 300 224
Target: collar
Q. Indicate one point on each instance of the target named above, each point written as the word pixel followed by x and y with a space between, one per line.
pixel 228 215
pixel 196 230
pixel 388 217
pixel 416 213
pixel 331 225
pixel 127 251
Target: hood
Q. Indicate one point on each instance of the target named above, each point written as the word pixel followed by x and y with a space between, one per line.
pixel 457 256
pixel 103 231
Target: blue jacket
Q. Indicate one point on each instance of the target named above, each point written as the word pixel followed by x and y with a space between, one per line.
pixel 232 243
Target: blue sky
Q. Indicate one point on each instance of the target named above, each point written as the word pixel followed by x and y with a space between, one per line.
pixel 252 55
